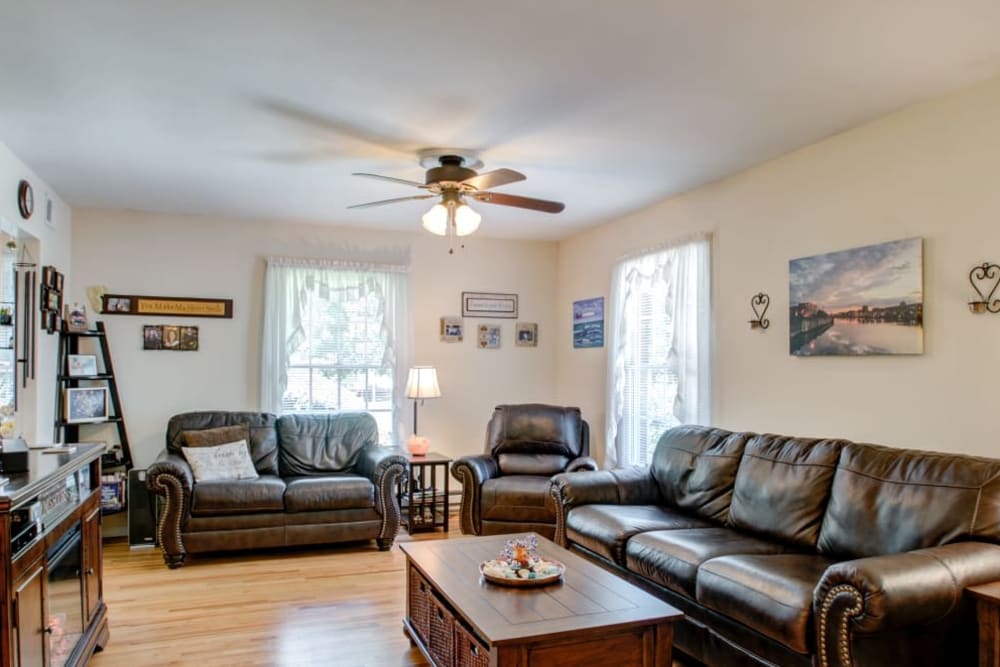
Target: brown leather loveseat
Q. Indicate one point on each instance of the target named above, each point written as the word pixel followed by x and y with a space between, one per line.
pixel 322 478
pixel 794 551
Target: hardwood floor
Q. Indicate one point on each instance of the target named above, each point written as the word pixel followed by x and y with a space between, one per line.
pixel 340 605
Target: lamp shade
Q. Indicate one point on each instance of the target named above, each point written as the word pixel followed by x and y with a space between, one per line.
pixel 422 382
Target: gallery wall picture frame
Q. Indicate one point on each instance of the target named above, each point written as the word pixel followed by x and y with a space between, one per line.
pixel 526 334
pixel 489 304
pixel 172 306
pixel 50 300
pixel 452 329
pixel 86 405
pixel 489 336
pixel 173 337
pixel 588 322
pixel 81 365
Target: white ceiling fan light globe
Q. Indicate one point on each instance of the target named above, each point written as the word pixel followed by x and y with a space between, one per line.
pixel 436 220
pixel 466 220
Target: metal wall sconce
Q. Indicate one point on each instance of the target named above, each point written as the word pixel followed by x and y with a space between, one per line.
pixel 759 303
pixel 986 275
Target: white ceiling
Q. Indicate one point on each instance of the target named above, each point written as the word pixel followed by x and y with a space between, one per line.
pixel 263 109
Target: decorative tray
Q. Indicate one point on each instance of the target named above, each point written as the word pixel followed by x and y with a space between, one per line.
pixel 539 573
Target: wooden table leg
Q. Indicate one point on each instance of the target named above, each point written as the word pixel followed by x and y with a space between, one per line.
pixel 989 633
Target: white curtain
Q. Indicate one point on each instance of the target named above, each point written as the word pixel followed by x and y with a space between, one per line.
pixel 288 282
pixel 683 268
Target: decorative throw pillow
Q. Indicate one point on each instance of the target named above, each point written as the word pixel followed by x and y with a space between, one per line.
pixel 221 462
pixel 210 437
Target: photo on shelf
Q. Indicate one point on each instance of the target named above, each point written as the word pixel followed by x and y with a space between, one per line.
pixel 81 364
pixel 76 317
pixel 86 404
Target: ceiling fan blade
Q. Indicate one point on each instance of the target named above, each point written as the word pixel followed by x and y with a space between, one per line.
pixel 391 201
pixel 493 179
pixel 391 179
pixel 543 205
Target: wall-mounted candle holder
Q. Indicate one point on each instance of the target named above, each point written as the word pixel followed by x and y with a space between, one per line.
pixel 759 303
pixel 982 277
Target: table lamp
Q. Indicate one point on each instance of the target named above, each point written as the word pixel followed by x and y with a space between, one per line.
pixel 422 383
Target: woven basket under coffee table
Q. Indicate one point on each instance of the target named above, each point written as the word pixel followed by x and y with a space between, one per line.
pixel 587 617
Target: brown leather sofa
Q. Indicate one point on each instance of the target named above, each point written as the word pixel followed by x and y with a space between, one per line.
pixel 794 551
pixel 506 490
pixel 322 478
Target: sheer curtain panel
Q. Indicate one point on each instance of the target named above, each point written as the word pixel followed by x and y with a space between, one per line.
pixel 336 337
pixel 659 363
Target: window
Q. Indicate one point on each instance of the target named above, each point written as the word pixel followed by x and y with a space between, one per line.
pixel 335 339
pixel 658 360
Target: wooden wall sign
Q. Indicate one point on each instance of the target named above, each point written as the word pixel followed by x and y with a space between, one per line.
pixel 172 306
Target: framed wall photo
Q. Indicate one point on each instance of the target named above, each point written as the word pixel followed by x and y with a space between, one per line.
pixel 452 329
pixel 489 336
pixel 189 339
pixel 78 365
pixel 86 404
pixel 171 337
pixel 526 334
pixel 489 304
pixel 152 337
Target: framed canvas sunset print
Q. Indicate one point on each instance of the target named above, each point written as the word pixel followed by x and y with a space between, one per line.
pixel 861 301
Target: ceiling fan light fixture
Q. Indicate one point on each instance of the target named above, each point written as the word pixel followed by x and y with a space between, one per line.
pixel 436 220
pixel 466 220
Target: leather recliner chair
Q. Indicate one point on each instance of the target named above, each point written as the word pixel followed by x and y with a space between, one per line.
pixel 506 489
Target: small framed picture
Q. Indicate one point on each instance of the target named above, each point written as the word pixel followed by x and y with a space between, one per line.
pixel 76 317
pixel 59 281
pixel 86 404
pixel 52 299
pixel 48 276
pixel 152 337
pixel 117 304
pixel 171 337
pixel 189 338
pixel 81 364
pixel 452 329
pixel 489 336
pixel 526 334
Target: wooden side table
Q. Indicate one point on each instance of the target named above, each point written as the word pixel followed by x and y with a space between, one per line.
pixel 988 611
pixel 423 503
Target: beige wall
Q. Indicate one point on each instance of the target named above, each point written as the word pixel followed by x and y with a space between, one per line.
pixel 142 253
pixel 930 171
pixel 49 245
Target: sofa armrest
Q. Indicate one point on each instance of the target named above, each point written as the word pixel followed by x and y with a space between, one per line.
pixel 171 477
pixel 869 595
pixel 472 471
pixel 623 486
pixel 582 463
pixel 384 466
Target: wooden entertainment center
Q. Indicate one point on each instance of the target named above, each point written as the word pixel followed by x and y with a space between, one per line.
pixel 52 611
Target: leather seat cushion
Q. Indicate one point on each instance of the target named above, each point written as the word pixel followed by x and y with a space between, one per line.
pixel 771 594
pixel 605 529
pixel 336 491
pixel 238 496
pixel 672 557
pixel 517 498
pixel 317 444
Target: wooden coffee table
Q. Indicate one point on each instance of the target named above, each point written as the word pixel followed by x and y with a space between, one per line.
pixel 591 617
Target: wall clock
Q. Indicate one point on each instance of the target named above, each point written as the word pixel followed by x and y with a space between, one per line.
pixel 25 199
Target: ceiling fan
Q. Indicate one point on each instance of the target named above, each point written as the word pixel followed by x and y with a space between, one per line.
pixel 452 176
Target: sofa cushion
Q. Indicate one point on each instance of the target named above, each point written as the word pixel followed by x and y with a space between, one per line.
pixel 535 429
pixel 605 529
pixel 672 557
pixel 695 467
pixel 242 496
pixel 263 437
pixel 770 593
pixel 517 498
pixel 316 444
pixel 782 487
pixel 335 491
pixel 221 462
pixel 209 437
pixel 887 501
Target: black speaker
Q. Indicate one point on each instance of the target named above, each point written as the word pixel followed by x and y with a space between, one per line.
pixel 141 511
